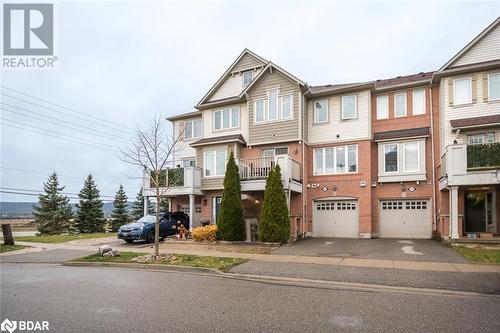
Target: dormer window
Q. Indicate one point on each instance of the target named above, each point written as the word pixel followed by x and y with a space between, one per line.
pixel 247 77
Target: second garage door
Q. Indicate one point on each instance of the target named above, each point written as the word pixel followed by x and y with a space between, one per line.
pixel 336 218
pixel 405 219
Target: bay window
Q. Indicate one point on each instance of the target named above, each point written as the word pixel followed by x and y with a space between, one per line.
pixel 391 158
pixel 214 163
pixel 462 91
pixel 399 158
pixel 411 157
pixel 336 160
pixel 227 118
pixel 349 109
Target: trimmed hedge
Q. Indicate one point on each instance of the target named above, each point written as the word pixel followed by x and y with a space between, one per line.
pixel 205 233
pixel 483 155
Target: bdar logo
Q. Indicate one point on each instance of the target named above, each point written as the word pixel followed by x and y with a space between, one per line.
pixel 28 29
pixel 8 325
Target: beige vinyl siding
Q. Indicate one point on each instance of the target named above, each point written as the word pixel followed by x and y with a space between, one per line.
pixel 183 149
pixel 305 120
pixel 347 130
pixel 213 183
pixel 477 109
pixel 208 118
pixel 247 62
pixel 486 49
pixel 279 130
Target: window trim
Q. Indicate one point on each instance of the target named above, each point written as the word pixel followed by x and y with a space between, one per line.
pixel 489 87
pixel 455 90
pixel 282 99
pixel 315 121
pixel 263 111
pixel 405 104
pixel 277 104
pixel 483 134
pixel 188 158
pixel 230 119
pixel 243 77
pixel 397 157
pixel 346 156
pixel 192 129
pixel 424 111
pixel 404 156
pixel 386 97
pixel 355 107
pixel 215 163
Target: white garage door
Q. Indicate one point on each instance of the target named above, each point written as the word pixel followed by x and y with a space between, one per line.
pixel 336 219
pixel 405 219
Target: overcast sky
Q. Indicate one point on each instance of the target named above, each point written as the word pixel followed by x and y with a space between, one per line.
pixel 123 61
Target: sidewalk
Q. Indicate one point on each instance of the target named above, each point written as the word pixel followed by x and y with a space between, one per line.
pixel 328 261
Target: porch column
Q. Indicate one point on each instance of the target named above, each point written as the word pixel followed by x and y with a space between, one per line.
pixel 454 233
pixel 191 211
pixel 146 206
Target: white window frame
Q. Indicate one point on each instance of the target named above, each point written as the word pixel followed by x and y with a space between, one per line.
pixel 243 77
pixel 327 111
pixel 263 111
pixel 188 159
pixel 346 159
pixel 483 135
pixel 413 102
pixel 277 104
pixel 489 87
pixel 404 156
pixel 222 128
pixel 455 90
pixel 282 98
pixel 355 107
pixel 192 121
pixel 395 104
pixel 386 114
pixel 214 163
pixel 397 157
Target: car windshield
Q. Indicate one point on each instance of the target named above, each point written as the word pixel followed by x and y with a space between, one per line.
pixel 147 219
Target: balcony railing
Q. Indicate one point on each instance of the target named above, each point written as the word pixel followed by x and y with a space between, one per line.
pixel 187 179
pixel 259 168
pixel 172 177
pixel 483 156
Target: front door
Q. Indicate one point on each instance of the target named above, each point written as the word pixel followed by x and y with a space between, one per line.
pixel 479 212
pixel 216 201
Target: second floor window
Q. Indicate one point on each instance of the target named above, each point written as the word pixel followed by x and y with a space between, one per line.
pixel 286 107
pixel 382 107
pixel 494 87
pixel 247 77
pixel 272 97
pixel 321 111
pixel 214 163
pixel 462 91
pixel 227 118
pixel 336 160
pixel 480 138
pixel 349 107
pixel 418 102
pixel 192 129
pixel 402 157
pixel 400 105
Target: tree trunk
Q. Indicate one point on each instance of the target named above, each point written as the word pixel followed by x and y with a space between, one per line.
pixel 7 235
pixel 157 224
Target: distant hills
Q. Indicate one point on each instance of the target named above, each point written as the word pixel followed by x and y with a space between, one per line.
pixel 25 209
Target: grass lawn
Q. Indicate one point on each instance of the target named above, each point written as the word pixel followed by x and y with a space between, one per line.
pixel 61 238
pixel 479 255
pixel 222 264
pixel 7 248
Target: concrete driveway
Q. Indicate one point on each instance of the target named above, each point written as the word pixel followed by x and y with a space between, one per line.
pixel 392 249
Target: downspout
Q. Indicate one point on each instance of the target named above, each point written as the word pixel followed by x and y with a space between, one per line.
pixel 434 216
pixel 304 164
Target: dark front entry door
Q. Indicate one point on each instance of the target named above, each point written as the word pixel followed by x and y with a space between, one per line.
pixel 216 201
pixel 475 211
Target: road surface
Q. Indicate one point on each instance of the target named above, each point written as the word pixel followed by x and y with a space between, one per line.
pixel 94 299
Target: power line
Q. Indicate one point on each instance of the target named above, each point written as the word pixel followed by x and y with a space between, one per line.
pixel 36 195
pixel 54 110
pixel 65 107
pixel 75 126
pixel 73 138
pixel 41 191
pixel 64 175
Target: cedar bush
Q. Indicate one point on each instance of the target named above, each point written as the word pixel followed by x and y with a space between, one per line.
pixel 205 233
pixel 483 155
pixel 274 222
pixel 230 222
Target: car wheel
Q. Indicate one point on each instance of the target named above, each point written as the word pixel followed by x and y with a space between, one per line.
pixel 129 241
pixel 151 237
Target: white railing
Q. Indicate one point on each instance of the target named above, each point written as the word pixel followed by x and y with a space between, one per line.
pixel 191 179
pixel 259 168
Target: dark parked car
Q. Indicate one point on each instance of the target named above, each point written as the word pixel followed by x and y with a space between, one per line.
pixel 144 228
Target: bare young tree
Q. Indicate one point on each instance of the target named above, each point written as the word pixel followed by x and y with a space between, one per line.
pixel 152 150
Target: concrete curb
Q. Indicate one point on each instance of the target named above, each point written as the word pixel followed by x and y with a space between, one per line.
pixel 166 267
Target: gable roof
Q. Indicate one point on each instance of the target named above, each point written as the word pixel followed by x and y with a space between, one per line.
pixel 270 66
pixel 228 72
pixel 472 43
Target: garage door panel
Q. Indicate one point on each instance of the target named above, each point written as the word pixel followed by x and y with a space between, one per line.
pixel 336 219
pixel 405 219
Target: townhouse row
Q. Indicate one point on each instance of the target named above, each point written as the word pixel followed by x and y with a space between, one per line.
pixel 414 156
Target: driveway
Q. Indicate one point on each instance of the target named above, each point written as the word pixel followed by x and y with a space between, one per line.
pixel 392 249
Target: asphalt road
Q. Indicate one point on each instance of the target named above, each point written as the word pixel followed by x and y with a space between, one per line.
pixel 91 299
